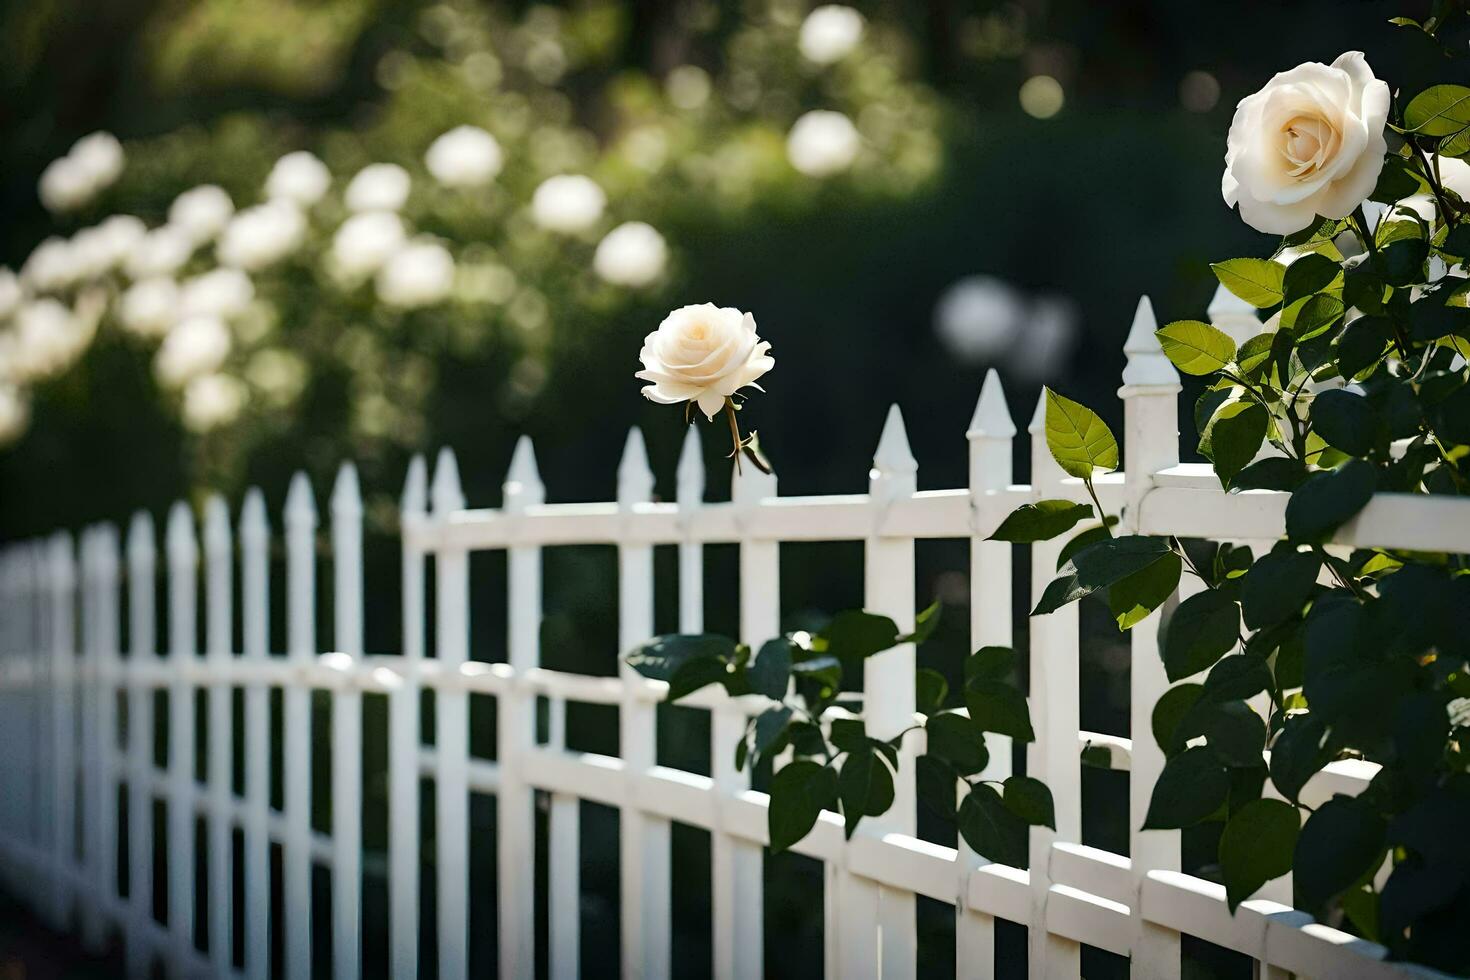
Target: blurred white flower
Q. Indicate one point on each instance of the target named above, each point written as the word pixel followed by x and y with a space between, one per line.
pixel 1042 96
pixel 220 293
pixel 11 292
pixel 262 235
pixel 365 242
pixel 829 33
pixel 213 400
pixel 150 306
pixel 48 338
pixel 466 156
pixel 1045 340
pixel 279 374
pixel 632 254
pixel 298 177
pixel 568 203
pixel 194 347
pixel 92 164
pixel 977 318
pixel 98 250
pixel 419 274
pixel 378 187
pixel 15 413
pixel 688 86
pixel 201 213
pixel 162 252
pixel 822 143
pixel 50 266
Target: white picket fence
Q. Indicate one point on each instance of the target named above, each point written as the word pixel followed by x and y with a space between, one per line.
pixel 62 669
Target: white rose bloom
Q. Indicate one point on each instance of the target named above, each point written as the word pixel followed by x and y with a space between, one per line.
pixel 150 306
pixel 162 252
pixel 1310 143
pixel 220 293
pixel 822 143
pixel 194 347
pixel 48 338
pixel 378 187
pixel 466 156
pixel 298 177
pixel 632 254
pixel 568 203
pixel 213 400
pixel 365 242
pixel 977 318
pixel 50 266
pixel 11 292
pixel 65 185
pixel 1454 174
pixel 201 212
pixel 15 413
pixel 419 274
pixel 98 250
pixel 829 33
pixel 262 235
pixel 703 354
pixel 101 156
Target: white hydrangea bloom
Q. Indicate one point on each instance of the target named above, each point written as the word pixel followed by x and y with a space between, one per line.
pixel 49 337
pixel 977 318
pixel 822 143
pixel 98 250
pixel 568 203
pixel 632 254
pixel 223 293
pixel 101 156
pixel 829 33
pixel 149 306
pixel 11 292
pixel 201 212
pixel 298 177
pixel 15 413
pixel 194 347
pixel 162 252
pixel 466 156
pixel 365 241
pixel 262 235
pixel 91 166
pixel 213 400
pixel 378 187
pixel 50 266
pixel 419 274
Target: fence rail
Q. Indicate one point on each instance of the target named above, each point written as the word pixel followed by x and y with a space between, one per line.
pixel 63 672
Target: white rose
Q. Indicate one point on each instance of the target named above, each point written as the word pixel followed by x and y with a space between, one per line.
pixel 829 33
pixel 262 235
pixel 466 156
pixel 48 338
pixel 419 274
pixel 632 254
pixel 1310 143
pixel 822 143
pixel 703 354
pixel 50 266
pixel 1454 175
pixel 195 347
pixel 202 212
pixel 568 203
pixel 220 292
pixel 162 252
pixel 298 177
pixel 100 156
pixel 65 185
pixel 149 306
pixel 365 242
pixel 378 187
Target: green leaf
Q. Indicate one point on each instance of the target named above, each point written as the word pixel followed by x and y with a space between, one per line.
pixel 991 830
pixel 998 707
pixel 1169 713
pixel 1271 473
pixel 1099 566
pixel 930 690
pixel 1251 356
pixel 1346 420
pixel 1309 274
pixel 924 624
pixel 865 788
pixel 1455 146
pixel 1132 599
pixel 849 734
pixel 1257 281
pixel 1040 521
pixel 1234 435
pixel 1316 316
pixel 1278 586
pixel 1195 347
pixel 800 790
pixel 1361 345
pixel 1079 440
pixel 1326 500
pixel 1298 753
pixel 1256 846
pixel 1237 678
pixel 856 635
pixel 937 784
pixel 695 673
pixel 990 663
pixel 958 741
pixel 1340 844
pixel 1233 730
pixel 1192 786
pixel 1030 800
pixel 1442 110
pixel 1084 539
pixel 661 656
pixel 1202 629
pixel 770 672
pixel 770 727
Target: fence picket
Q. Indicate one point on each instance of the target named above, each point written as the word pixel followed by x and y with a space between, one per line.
pixel 107 665
pixel 62 612
pixel 142 652
pixel 296 865
pixel 255 636
pixel 347 727
pixel 404 741
pixel 182 553
pixel 218 641
pixel 89 783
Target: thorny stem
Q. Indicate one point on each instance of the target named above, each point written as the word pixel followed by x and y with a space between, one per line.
pixel 1360 224
pixel 735 440
pixel 1431 175
pixel 1087 482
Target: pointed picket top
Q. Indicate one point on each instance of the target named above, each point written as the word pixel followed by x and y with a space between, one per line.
pixel 523 486
pixel 635 476
pixel 300 505
pixel 1226 304
pixel 1037 425
pixel 992 418
pixel 444 490
pixel 107 550
pixel 254 526
pixel 346 494
pixel 893 455
pixel 216 526
pixel 1147 366
pixel 689 477
pixel 178 536
pixel 62 560
pixel 415 499
pixel 141 546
